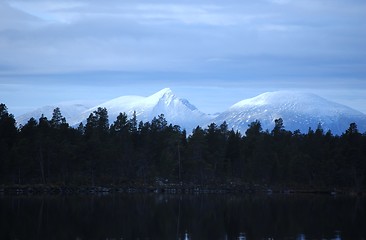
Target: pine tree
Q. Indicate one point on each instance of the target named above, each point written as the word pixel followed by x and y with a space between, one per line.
pixel 196 165
pixel 8 128
pixel 278 128
pixel 121 125
pixel 57 119
pixel 353 153
pixel 8 133
pixel 254 129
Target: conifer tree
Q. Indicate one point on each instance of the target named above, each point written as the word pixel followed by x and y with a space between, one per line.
pixel 57 119
pixel 8 133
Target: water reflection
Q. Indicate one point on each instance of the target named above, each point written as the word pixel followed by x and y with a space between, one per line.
pixel 184 217
pixel 241 236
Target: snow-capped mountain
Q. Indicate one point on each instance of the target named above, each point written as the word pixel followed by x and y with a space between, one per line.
pixel 176 110
pixel 298 111
pixel 71 111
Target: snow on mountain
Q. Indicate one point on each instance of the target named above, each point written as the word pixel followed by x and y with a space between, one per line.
pixel 298 111
pixel 176 110
pixel 70 111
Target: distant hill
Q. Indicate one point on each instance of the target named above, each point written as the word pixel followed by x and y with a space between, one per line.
pixel 298 111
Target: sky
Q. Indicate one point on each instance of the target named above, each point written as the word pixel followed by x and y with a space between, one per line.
pixel 214 53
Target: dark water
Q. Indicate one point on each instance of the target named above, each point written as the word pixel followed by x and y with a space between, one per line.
pixel 134 216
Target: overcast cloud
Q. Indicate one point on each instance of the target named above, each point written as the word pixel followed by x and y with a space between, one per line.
pixel 201 49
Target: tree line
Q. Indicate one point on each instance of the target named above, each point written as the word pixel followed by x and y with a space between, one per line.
pixel 49 151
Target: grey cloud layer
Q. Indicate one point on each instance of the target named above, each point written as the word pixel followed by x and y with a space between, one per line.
pixel 212 52
pixel 66 36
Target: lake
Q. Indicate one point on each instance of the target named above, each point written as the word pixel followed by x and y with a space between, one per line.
pixel 202 216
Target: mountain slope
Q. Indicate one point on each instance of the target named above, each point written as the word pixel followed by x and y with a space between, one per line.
pixel 298 111
pixel 176 110
pixel 70 111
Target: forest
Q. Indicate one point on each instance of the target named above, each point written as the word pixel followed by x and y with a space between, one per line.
pixel 49 151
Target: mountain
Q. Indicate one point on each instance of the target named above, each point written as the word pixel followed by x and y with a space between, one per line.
pixel 71 111
pixel 298 111
pixel 176 110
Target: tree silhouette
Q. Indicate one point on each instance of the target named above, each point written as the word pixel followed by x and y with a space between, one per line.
pixel 52 152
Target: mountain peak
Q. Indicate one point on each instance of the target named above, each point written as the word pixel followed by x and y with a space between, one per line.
pixel 163 92
pixel 299 110
pixel 165 95
pixel 279 97
pixel 176 111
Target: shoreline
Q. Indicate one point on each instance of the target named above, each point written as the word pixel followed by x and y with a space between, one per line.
pixel 39 189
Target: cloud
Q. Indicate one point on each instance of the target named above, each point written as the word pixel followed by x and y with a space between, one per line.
pixel 53 51
pixel 75 36
pixel 280 1
pixel 49 11
pixel 14 19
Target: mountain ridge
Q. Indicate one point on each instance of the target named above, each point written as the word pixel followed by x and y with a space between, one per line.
pixel 176 110
pixel 299 111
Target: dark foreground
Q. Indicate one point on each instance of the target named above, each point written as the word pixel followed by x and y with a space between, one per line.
pixel 182 216
pixel 163 187
pixel 50 152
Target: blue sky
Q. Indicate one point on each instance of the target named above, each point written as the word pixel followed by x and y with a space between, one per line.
pixel 213 53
